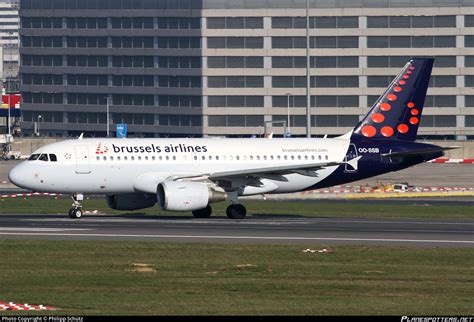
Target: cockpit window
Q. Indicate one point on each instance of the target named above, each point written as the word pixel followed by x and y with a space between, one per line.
pixel 53 158
pixel 43 157
pixel 33 157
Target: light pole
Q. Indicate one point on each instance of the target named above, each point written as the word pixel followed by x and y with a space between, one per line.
pixel 9 47
pixel 108 119
pixel 288 132
pixel 308 79
pixel 38 127
pixel 9 115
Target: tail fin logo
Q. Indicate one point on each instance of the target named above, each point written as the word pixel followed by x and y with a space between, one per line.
pixel 385 107
pixel 101 149
pixel 396 114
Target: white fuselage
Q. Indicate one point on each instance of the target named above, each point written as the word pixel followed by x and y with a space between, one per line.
pixel 113 166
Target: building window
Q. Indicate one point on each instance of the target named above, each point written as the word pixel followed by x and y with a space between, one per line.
pixel 235 120
pixel 179 120
pixel 469 121
pixel 179 62
pixel 235 62
pixel 87 80
pixel 180 81
pixel 235 101
pixel 469 41
pixel 179 101
pixel 440 101
pixel 469 21
pixel 379 81
pixel 412 22
pixel 438 121
pixel 86 42
pixel 469 100
pixel 235 23
pixel 334 120
pixel 411 41
pixel 87 61
pixel 335 101
pixel 315 22
pixel 443 81
pixel 469 61
pixel 235 42
pixel 235 81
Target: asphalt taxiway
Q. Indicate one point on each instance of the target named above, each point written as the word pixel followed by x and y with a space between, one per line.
pixel 416 232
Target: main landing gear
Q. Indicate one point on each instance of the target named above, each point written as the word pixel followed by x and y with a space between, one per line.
pixel 76 211
pixel 203 213
pixel 234 211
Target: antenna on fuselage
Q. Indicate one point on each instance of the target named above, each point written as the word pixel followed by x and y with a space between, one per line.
pixel 81 136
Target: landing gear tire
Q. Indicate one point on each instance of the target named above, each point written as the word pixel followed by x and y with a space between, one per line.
pixel 203 213
pixel 236 211
pixel 75 213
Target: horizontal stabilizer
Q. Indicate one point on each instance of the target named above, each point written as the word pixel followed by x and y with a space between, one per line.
pixel 419 152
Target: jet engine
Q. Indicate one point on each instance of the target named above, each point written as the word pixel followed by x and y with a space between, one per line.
pixel 131 201
pixel 187 196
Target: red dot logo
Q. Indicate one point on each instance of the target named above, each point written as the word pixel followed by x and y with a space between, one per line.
pixel 397 89
pixel 414 120
pixel 387 131
pixel 378 117
pixel 392 97
pixel 411 105
pixel 385 107
pixel 406 76
pixel 101 150
pixel 409 72
pixel 403 128
pixel 402 82
pixel 412 68
pixel 369 131
pixel 414 112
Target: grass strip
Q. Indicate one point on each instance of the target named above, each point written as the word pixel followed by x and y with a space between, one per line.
pixel 99 278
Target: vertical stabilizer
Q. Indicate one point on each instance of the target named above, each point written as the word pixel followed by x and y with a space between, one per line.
pixel 396 114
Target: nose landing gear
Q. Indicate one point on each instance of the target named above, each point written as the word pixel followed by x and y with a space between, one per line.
pixel 76 211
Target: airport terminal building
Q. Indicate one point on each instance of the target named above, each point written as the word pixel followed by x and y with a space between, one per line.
pixel 174 68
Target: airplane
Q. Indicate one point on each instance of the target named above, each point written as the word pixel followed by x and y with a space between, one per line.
pixel 191 174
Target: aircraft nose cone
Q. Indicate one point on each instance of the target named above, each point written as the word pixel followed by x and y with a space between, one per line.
pixel 15 176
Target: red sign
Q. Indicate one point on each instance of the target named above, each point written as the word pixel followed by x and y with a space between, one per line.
pixel 15 100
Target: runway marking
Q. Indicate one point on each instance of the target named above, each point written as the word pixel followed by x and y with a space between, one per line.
pixel 251 238
pixel 32 229
pixel 246 221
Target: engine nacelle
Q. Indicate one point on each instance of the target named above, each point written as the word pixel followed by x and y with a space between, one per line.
pixel 131 201
pixel 187 196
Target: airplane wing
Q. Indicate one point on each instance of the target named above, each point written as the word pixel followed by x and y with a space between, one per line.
pixel 147 182
pixel 303 169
